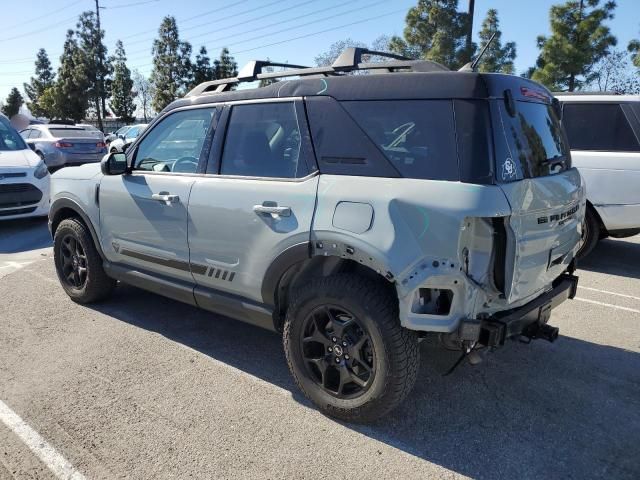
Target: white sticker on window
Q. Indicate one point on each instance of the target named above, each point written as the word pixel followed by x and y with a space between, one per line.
pixel 508 169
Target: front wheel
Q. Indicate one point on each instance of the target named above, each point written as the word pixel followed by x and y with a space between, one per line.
pixel 346 349
pixel 78 263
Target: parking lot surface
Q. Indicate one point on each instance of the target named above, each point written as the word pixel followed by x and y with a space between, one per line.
pixel 144 387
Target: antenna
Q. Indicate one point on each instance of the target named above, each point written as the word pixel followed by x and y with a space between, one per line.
pixel 471 67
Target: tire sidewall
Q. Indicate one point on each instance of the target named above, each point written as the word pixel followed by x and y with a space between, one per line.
pixel 64 229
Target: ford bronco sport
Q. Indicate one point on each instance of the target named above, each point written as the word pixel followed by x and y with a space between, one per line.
pixel 355 214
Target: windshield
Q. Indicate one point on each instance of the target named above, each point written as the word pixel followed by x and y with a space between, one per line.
pixel 530 143
pixel 9 138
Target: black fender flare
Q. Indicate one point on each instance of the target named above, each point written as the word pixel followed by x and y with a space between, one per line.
pixel 66 203
pixel 289 257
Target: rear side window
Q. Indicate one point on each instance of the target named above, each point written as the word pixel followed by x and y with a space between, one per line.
pixel 529 142
pixel 263 140
pixel 598 126
pixel 416 136
pixel 71 132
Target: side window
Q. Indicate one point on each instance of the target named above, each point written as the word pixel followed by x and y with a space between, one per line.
pixel 417 136
pixel 25 133
pixel 132 133
pixel 263 140
pixel 35 134
pixel 598 126
pixel 175 143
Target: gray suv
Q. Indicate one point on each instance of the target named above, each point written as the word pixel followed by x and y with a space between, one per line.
pixel 354 214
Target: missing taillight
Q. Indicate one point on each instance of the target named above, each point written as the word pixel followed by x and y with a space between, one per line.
pixel 500 252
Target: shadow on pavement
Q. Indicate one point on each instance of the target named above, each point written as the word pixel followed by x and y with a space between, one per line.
pixel 565 410
pixel 18 236
pixel 614 257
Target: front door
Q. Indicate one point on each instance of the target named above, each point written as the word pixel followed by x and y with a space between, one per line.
pixel 144 214
pixel 261 202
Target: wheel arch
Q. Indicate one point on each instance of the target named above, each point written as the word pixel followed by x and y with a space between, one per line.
pixel 298 264
pixel 603 228
pixel 64 208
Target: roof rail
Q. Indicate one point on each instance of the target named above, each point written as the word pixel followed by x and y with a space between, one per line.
pixel 350 60
pixel 585 93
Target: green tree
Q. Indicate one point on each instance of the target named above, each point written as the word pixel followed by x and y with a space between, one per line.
pixel 202 69
pixel 325 59
pixel 435 30
pixel 225 66
pixel 579 39
pixel 634 50
pixel 171 64
pixel 13 103
pixel 497 58
pixel 97 66
pixel 122 86
pixel 70 96
pixel 614 73
pixel 43 79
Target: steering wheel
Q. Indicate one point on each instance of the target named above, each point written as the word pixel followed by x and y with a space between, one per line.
pixel 185 165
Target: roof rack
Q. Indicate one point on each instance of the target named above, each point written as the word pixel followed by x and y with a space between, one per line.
pixel 577 94
pixel 349 60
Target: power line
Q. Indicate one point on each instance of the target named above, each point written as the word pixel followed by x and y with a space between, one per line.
pixel 42 29
pixel 127 5
pixel 22 23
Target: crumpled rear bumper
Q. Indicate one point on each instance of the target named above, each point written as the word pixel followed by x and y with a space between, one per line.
pixel 528 320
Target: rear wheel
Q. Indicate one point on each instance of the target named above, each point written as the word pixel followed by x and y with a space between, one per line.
pixel 78 263
pixel 590 235
pixel 346 349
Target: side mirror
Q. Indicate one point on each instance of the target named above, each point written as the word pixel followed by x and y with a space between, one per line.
pixel 114 163
pixel 32 146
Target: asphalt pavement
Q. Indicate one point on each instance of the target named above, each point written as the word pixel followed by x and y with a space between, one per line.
pixel 144 387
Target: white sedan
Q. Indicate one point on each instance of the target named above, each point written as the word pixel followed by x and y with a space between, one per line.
pixel 24 178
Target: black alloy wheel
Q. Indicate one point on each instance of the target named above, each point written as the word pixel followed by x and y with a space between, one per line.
pixel 338 352
pixel 74 262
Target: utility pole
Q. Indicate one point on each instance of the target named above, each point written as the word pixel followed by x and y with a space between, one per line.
pixel 469 41
pixel 99 100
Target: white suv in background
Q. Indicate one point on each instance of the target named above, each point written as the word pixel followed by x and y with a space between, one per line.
pixel 24 178
pixel 604 135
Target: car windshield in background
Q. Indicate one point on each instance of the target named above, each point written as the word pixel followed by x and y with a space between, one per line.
pixel 72 132
pixel 10 139
pixel 530 143
pixel 417 136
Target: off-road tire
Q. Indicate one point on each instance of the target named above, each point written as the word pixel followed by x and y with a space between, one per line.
pixel 591 234
pixel 376 308
pixel 97 285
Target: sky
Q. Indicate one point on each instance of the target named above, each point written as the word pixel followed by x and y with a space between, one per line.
pixel 293 31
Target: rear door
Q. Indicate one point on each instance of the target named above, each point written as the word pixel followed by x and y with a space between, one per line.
pixel 257 198
pixel 533 168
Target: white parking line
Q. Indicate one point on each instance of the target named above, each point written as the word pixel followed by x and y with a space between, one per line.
pixel 618 307
pixel 60 467
pixel 608 292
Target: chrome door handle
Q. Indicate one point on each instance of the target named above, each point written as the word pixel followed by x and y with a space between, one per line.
pixel 274 211
pixel 165 197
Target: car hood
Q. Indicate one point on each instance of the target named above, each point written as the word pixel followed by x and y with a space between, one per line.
pixel 83 172
pixel 18 158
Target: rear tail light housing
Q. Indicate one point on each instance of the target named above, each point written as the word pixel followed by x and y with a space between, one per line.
pixel 63 145
pixel 101 145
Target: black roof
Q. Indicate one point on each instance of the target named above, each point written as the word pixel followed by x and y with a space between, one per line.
pixel 396 80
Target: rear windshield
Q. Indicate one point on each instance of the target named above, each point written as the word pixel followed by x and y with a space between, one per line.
pixel 10 139
pixel 529 143
pixel 72 133
pixel 417 136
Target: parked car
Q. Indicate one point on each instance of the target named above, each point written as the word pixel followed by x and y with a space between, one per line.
pixel 604 135
pixel 355 214
pixel 113 135
pixel 64 145
pixel 24 178
pixel 90 128
pixel 123 141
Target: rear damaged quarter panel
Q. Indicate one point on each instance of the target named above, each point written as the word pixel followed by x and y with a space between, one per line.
pixel 414 239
